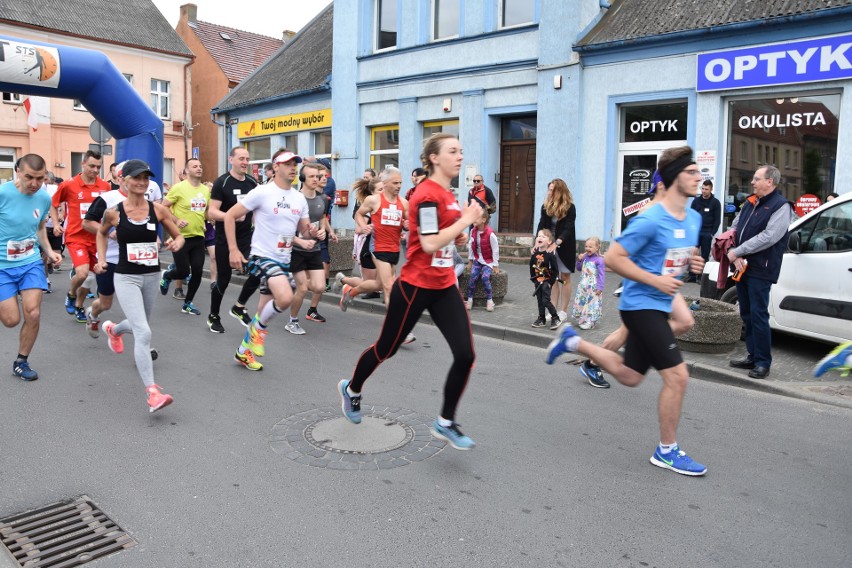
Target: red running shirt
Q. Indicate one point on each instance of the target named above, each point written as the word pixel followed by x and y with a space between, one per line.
pixel 387 225
pixel 431 271
pixel 78 197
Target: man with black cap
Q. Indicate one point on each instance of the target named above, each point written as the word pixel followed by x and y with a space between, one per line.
pixel 652 253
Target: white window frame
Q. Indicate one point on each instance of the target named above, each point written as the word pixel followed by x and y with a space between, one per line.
pixel 12 98
pixel 377 25
pixel 158 95
pixel 433 31
pixel 500 8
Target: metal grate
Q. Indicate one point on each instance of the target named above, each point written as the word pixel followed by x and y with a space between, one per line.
pixel 69 533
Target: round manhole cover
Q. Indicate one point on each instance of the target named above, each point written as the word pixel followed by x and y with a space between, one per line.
pixel 386 438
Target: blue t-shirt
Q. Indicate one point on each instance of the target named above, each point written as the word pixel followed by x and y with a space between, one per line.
pixel 660 244
pixel 20 216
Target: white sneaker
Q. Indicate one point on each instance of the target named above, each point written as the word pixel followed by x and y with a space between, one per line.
pixel 294 328
pixel 618 291
pixel 586 325
pixel 338 282
pixel 409 339
pixel 562 315
pixel 489 307
pixel 468 304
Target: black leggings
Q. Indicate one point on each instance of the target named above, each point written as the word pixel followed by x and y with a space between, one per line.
pixel 447 309
pixel 190 258
pixel 223 278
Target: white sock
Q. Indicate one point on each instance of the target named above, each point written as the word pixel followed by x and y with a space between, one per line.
pixel 350 392
pixel 573 343
pixel 666 449
pixel 444 422
pixel 292 319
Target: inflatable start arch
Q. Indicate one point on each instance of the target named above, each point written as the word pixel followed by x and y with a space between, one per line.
pixel 40 69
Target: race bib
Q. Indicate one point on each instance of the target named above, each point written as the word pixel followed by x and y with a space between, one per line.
pixel 197 204
pixel 392 217
pixel 443 258
pixel 84 208
pixel 284 247
pixel 677 261
pixel 16 250
pixel 143 253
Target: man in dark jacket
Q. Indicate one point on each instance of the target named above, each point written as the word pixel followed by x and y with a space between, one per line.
pixel 711 216
pixel 761 230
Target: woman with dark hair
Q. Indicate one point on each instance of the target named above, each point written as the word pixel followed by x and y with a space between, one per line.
pixel 559 215
pixel 428 282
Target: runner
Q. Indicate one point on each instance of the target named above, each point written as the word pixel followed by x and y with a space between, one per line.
pixel 136 274
pixel 427 281
pixel 280 218
pixel 23 212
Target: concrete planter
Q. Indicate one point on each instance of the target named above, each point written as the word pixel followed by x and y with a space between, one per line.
pixel 341 255
pixel 717 328
pixel 499 285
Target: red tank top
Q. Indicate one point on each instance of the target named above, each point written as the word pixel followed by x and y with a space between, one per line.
pixel 387 225
pixel 432 271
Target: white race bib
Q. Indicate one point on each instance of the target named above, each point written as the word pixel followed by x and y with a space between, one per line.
pixel 391 216
pixel 84 208
pixel 443 258
pixel 677 261
pixel 198 204
pixel 16 250
pixel 284 247
pixel 145 254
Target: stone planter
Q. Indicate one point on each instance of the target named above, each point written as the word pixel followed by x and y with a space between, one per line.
pixel 341 255
pixel 717 328
pixel 499 285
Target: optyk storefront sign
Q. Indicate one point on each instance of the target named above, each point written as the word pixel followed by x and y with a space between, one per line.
pixel 820 59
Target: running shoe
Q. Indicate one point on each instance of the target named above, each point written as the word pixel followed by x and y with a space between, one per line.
pixel 452 435
pixel 80 315
pixel 178 294
pixel 594 375
pixel 562 315
pixel 338 282
pixel 70 304
pixel 49 288
pixel 92 324
pixel 241 315
pixel 157 399
pixel 90 296
pixel 468 304
pixel 351 405
pixel 22 370
pixel 618 291
pixel 154 354
pixel 836 360
pixel 189 308
pixel 214 322
pixel 371 296
pixel 555 323
pixel 165 283
pixel 489 306
pixel 188 278
pixel 254 340
pixel 678 461
pixel 115 342
pixel 248 361
pixel 294 328
pixel 345 298
pixel 557 347
pixel 409 339
pixel 587 325
pixel 314 315
pixel 540 322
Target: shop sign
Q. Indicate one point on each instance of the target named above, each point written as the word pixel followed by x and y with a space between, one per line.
pixel 286 123
pixel 706 162
pixel 820 59
pixel 806 203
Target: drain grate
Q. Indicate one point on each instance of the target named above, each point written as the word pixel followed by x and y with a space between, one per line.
pixel 69 533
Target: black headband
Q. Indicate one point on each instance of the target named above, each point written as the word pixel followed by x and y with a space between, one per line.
pixel 671 171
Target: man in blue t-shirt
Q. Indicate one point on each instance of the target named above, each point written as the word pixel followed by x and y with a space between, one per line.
pixel 24 207
pixel 652 254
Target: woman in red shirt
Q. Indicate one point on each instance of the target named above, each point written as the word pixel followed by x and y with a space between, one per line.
pixel 427 281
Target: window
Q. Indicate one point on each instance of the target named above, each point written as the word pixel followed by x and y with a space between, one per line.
pixel 168 173
pixel 658 122
pixel 385 24
pixel 786 158
pixel 160 97
pixel 12 98
pixel 384 147
pixel 7 164
pixel 795 159
pixel 322 143
pixel 743 151
pixel 129 77
pixel 260 149
pixel 448 126
pixel 830 232
pixel 446 18
pixel 77 105
pixel 516 12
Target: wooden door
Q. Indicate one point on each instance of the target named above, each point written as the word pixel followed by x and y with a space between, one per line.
pixel 517 187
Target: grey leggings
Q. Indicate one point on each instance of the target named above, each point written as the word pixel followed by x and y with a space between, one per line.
pixel 136 294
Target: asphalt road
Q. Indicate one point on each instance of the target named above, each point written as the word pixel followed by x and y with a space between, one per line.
pixel 560 476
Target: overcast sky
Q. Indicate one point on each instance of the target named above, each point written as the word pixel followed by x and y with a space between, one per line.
pixel 267 17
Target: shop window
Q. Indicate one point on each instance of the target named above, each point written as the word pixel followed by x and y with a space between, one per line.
pixel 743 151
pixel 654 123
pixel 386 24
pixel 516 12
pixel 160 98
pixel 12 98
pixel 322 143
pixel 519 128
pixel 446 19
pixel 261 149
pixel 384 147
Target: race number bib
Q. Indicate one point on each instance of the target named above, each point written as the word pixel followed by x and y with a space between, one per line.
pixel 443 258
pixel 392 216
pixel 84 208
pixel 677 261
pixel 16 250
pixel 144 254
pixel 284 247
pixel 197 204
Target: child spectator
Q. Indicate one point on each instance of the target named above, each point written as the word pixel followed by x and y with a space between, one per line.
pixel 543 272
pixel 588 299
pixel 484 256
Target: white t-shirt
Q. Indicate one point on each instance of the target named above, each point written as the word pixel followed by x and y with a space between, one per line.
pixel 153 193
pixel 51 189
pixel 276 216
pixel 112 198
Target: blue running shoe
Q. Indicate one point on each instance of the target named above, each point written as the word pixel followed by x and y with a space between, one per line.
pixel 557 347
pixel 189 308
pixel 21 369
pixel 351 405
pixel 594 374
pixel 70 304
pixel 678 462
pixel 80 315
pixel 836 360
pixel 452 435
pixel 164 284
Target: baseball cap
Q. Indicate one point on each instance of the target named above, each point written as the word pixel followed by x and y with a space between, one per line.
pixel 286 157
pixel 119 168
pixel 133 168
pixel 655 179
pixel 326 162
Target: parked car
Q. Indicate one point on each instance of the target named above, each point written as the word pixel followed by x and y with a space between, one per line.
pixel 813 295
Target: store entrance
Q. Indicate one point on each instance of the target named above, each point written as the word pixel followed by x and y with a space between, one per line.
pixel 516 198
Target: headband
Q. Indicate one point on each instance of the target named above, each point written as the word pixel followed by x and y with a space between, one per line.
pixel 671 171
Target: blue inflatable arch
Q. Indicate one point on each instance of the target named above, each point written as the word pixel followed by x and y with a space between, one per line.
pixel 57 71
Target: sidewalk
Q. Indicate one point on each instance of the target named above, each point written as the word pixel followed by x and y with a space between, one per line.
pixel 793 357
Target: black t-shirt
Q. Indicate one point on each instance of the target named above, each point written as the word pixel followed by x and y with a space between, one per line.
pixel 229 191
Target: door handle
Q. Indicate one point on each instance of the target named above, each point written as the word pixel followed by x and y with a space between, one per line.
pixel 517 185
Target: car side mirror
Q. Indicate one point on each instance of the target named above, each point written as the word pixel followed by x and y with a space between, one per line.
pixel 794 243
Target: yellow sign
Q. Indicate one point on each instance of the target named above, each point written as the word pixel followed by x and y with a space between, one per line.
pixel 286 123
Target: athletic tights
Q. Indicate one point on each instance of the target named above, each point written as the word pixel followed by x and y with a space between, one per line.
pixel 223 279
pixel 190 258
pixel 136 294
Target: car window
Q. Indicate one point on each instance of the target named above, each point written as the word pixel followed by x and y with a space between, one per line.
pixel 829 232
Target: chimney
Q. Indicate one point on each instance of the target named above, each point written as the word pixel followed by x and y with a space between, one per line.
pixel 288 35
pixel 189 12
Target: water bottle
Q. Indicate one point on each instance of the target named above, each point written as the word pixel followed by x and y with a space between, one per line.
pixel 695 305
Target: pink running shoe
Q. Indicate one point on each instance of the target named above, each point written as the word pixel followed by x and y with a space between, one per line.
pixel 156 399
pixel 115 342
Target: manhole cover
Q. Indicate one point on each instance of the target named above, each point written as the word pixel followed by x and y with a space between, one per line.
pixel 387 437
pixel 69 533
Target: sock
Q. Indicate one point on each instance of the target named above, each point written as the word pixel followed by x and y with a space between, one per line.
pixel 241 349
pixel 21 357
pixel 666 449
pixel 294 320
pixel 350 392
pixel 444 422
pixel 269 311
pixel 573 343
